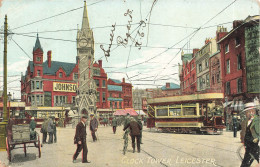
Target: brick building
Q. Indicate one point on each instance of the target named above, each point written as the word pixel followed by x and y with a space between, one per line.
pixel 120 94
pixel 54 84
pixel 236 60
pixel 188 79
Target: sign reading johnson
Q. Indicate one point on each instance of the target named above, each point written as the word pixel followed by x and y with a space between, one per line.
pixel 64 87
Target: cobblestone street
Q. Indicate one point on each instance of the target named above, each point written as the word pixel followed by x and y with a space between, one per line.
pixel 159 149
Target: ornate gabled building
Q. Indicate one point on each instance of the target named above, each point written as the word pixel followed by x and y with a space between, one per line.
pixel 54 85
pixel 85 53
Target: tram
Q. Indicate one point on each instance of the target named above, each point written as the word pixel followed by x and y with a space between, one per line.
pixel 196 113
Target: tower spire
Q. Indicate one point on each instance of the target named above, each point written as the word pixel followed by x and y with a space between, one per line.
pixel 37 44
pixel 85 23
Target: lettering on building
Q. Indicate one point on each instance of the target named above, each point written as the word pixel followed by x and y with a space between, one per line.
pixel 64 87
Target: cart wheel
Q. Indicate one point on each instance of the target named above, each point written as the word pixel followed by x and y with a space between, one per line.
pixel 8 150
pixel 39 147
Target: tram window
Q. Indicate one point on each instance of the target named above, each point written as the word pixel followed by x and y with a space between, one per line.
pixel 162 112
pixel 175 111
pixel 189 111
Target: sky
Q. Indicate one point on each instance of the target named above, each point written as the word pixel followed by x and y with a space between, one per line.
pixel 168 26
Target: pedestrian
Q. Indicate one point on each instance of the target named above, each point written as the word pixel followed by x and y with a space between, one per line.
pixel 235 125
pixel 105 121
pixel 114 124
pixel 80 140
pixel 127 131
pixel 139 121
pixel 54 131
pixel 50 130
pixel 135 129
pixel 250 135
pixel 44 130
pixel 32 127
pixel 32 124
pixel 93 126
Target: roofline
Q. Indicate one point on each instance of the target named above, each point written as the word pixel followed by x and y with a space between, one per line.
pixel 234 29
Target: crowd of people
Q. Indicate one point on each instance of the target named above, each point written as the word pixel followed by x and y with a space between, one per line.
pixel 49 128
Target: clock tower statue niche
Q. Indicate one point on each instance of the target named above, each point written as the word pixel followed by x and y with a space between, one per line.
pixel 86 94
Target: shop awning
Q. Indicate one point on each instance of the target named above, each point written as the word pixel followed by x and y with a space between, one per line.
pixel 140 112
pixel 131 111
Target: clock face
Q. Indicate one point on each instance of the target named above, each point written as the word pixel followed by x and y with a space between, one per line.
pixel 83 43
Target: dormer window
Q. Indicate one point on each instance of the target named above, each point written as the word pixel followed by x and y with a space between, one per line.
pixel 38 59
pixel 60 74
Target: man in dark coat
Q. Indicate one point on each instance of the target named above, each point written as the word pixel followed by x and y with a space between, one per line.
pixel 80 140
pixel 250 135
pixel 135 129
pixel 93 127
pixel 114 124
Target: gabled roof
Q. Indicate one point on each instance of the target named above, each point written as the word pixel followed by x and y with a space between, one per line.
pixel 116 81
pixel 37 44
pixel 56 65
pixel 172 86
pixel 114 88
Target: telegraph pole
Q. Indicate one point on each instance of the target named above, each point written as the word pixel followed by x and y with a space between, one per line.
pixel 3 130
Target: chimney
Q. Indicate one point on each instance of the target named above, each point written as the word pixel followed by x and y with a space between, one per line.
pixel 221 32
pixel 194 51
pixel 167 85
pixel 100 63
pixel 237 23
pixel 123 80
pixel 49 58
pixel 207 41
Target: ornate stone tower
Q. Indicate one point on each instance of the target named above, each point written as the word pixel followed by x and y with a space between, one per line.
pixel 85 55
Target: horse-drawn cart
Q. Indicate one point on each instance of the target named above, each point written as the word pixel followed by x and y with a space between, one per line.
pixel 21 135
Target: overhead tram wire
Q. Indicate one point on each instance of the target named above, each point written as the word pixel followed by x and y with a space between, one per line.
pixel 55 15
pixel 109 26
pixel 198 30
pixel 22 49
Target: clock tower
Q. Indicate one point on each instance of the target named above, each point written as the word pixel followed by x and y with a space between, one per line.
pixel 86 94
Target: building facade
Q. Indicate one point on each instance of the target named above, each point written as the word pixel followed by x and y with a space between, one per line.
pixel 188 79
pixel 119 94
pixel 240 59
pixel 202 62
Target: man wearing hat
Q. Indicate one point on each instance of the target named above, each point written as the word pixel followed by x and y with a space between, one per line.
pixel 93 126
pixel 139 121
pixel 135 129
pixel 250 135
pixel 80 140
